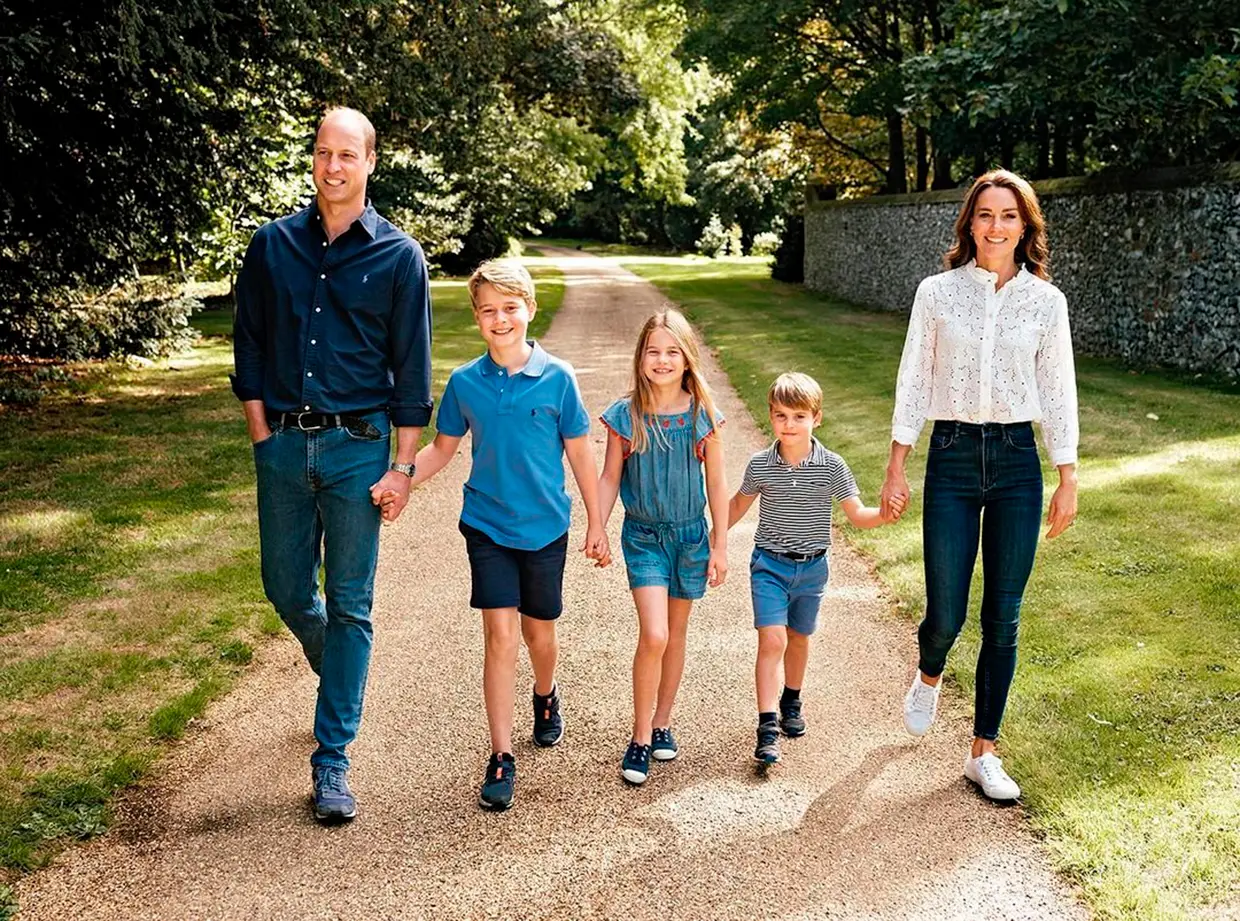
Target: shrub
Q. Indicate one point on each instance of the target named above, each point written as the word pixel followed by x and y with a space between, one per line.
pixel 789 262
pixel 764 244
pixel 714 239
pixel 110 327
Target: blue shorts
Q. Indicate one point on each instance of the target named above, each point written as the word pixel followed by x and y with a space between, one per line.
pixel 671 555
pixel 787 593
pixel 532 581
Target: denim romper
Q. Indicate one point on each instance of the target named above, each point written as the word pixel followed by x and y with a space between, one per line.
pixel 665 538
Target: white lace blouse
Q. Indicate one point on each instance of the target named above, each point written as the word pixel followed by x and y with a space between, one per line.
pixel 974 354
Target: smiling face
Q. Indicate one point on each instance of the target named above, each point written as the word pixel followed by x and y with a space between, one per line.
pixel 996 226
pixel 794 427
pixel 342 162
pixel 502 318
pixel 663 361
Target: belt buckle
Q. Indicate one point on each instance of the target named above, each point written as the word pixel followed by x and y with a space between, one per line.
pixel 301 427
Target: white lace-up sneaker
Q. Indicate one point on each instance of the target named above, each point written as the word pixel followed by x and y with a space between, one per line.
pixel 987 772
pixel 921 703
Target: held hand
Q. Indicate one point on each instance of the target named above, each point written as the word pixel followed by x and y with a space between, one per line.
pixel 596 546
pixel 1062 511
pixel 717 568
pixel 894 498
pixel 391 494
pixel 895 508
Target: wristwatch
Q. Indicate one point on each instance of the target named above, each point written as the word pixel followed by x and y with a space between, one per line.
pixel 406 469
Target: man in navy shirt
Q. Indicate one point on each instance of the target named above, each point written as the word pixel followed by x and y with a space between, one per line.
pixel 332 349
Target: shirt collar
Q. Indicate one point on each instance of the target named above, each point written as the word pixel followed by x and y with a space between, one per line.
pixel 816 458
pixel 533 368
pixel 368 219
pixel 991 278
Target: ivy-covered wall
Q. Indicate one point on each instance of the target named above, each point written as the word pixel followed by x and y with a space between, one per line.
pixel 1150 264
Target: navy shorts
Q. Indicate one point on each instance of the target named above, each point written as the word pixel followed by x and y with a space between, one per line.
pixel 532 581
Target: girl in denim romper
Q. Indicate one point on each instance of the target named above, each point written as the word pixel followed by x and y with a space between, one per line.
pixel 660 437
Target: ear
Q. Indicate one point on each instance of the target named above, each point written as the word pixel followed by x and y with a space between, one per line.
pixel 371 160
pixel 818 418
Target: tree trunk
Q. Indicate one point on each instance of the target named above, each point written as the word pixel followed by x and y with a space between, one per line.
pixel 923 161
pixel 979 161
pixel 897 181
pixel 1078 145
pixel 1042 130
pixel 1007 146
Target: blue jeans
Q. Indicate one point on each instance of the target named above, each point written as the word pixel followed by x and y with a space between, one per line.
pixel 674 554
pixel 314 509
pixel 981 480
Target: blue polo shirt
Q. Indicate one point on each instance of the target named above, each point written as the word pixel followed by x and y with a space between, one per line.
pixel 515 493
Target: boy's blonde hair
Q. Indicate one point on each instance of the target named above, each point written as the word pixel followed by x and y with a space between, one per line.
pixel 507 276
pixel 796 391
pixel 693 381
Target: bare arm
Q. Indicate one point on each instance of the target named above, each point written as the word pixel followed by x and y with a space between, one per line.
pixel 739 506
pixel 717 499
pixel 434 457
pixel 256 420
pixel 609 480
pixel 581 461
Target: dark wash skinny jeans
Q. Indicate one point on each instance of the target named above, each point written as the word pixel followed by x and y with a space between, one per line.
pixel 971 469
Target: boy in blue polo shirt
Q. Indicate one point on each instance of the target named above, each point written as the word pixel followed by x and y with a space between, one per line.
pixel 525 411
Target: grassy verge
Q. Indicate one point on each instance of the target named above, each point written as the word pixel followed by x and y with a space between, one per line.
pixel 1124 723
pixel 129 578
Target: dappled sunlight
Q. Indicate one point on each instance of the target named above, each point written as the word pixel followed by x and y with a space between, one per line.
pixel 40 524
pixel 1220 452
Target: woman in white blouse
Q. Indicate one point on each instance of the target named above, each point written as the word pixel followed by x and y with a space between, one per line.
pixel 988 352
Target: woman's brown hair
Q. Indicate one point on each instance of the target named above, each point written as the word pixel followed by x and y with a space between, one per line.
pixel 1033 251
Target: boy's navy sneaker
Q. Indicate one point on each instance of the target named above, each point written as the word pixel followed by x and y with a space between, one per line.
pixel 548 724
pixel 497 786
pixel 333 800
pixel 662 746
pixel 790 719
pixel 767 750
pixel 636 764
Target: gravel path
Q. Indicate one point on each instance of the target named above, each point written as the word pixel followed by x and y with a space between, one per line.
pixel 858 823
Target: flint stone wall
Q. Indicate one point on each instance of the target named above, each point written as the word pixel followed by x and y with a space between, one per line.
pixel 1150 264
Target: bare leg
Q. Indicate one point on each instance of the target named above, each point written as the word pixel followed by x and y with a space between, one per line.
pixel 796 659
pixel 673 659
pixel 544 647
pixel 499 672
pixel 772 641
pixel 652 621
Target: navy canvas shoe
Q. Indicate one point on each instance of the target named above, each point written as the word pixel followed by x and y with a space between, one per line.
pixel 548 723
pixel 333 800
pixel 636 764
pixel 498 785
pixel 663 746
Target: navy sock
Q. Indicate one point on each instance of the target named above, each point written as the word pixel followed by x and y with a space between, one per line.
pixel 789 694
pixel 766 717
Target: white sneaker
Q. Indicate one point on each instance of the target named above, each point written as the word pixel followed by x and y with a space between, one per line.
pixel 921 703
pixel 987 772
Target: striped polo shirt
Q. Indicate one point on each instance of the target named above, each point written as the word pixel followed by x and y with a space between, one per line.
pixel 794 511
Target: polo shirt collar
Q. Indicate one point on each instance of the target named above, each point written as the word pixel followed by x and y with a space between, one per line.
pixel 533 368
pixel 816 458
pixel 369 218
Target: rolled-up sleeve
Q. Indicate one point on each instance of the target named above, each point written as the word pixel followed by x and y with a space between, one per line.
pixel 915 380
pixel 410 344
pixel 249 324
pixel 1055 376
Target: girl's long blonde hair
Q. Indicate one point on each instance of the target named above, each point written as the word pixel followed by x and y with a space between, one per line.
pixel 642 408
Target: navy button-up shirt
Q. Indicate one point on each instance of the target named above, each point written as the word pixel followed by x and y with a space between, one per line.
pixel 334 327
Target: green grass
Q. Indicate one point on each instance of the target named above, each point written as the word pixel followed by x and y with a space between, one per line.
pixel 130 594
pixel 1124 721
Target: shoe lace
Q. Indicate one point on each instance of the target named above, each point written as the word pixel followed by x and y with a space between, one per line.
pixel 923 697
pixel 767 734
pixel 332 780
pixel 637 750
pixel 992 767
pixel 662 736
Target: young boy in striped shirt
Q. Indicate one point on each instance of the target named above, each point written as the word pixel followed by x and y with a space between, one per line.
pixel 797 478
